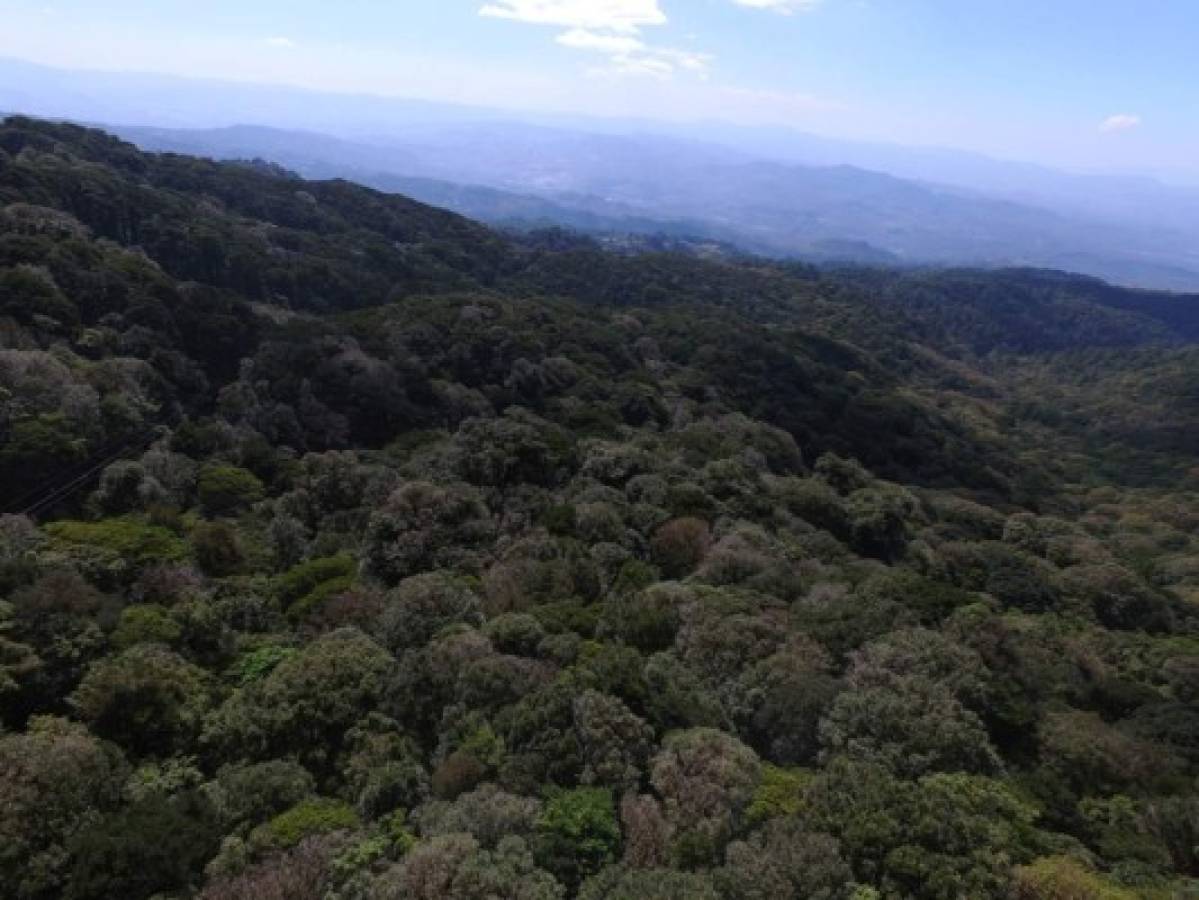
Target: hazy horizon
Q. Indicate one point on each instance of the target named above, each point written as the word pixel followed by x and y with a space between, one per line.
pixel 727 120
pixel 1012 82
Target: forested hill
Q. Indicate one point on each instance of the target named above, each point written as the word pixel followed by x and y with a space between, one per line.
pixel 355 550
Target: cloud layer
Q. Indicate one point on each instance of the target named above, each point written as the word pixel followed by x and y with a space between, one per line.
pixel 1119 122
pixel 786 7
pixel 623 16
pixel 611 28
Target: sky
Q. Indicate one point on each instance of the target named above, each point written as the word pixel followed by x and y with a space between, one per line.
pixel 1085 84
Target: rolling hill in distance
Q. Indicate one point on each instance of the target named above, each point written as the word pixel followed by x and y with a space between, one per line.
pixel 767 191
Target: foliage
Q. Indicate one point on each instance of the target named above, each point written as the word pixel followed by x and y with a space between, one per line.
pixel 249 794
pixel 58 781
pixel 620 883
pixel 305 705
pixel 145 624
pixel 226 489
pixel 148 699
pixel 311 817
pixel 1064 878
pixel 217 549
pixel 783 860
pixel 942 836
pixel 577 834
pixel 454 867
pixel 124 540
pixel 301 580
pixel 780 794
pixel 260 662
pixel 430 562
pixel 706 778
pixel 150 847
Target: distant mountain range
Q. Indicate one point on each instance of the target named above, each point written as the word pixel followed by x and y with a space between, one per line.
pixel 768 191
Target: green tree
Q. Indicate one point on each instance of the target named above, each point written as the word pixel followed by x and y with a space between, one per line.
pixel 778 702
pixel 314 816
pixel 150 847
pixel 250 794
pixel 455 867
pixel 228 489
pixel 614 742
pixel 217 549
pixel 938 838
pixel 382 767
pixel 914 727
pixel 785 862
pixel 58 780
pixel 422 527
pixel 706 779
pixel 577 834
pixel 307 704
pixel 145 624
pixel 147 699
pixel 621 883
pixel 421 606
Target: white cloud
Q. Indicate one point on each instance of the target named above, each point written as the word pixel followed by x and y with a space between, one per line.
pixel 640 66
pixel 1120 122
pixel 658 62
pixel 612 28
pixel 786 7
pixel 624 16
pixel 616 44
pixel 280 42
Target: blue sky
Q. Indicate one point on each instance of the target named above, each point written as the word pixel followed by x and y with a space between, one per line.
pixel 1084 83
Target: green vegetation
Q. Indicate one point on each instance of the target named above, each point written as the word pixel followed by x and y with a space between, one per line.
pixel 119 539
pixel 578 833
pixel 448 565
pixel 312 817
pixel 304 587
pixel 226 489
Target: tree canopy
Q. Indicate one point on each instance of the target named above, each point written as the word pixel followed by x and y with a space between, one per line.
pixel 354 550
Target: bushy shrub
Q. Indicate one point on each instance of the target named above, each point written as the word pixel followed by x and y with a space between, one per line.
pixel 228 489
pixel 577 834
pixel 148 848
pixel 706 779
pixel 126 540
pixel 145 624
pixel 320 815
pixel 421 606
pixel 1064 878
pixel 147 699
pixel 217 548
pixel 303 578
pixel 779 795
pixel 680 545
pixel 59 780
pixel 259 663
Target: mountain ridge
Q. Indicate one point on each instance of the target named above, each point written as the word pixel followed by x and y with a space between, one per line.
pixel 1139 233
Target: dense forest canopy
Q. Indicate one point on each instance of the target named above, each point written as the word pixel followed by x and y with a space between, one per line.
pixel 355 550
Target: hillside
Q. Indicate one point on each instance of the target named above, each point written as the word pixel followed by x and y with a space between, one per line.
pixel 355 550
pixel 511 174
pixel 727 182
